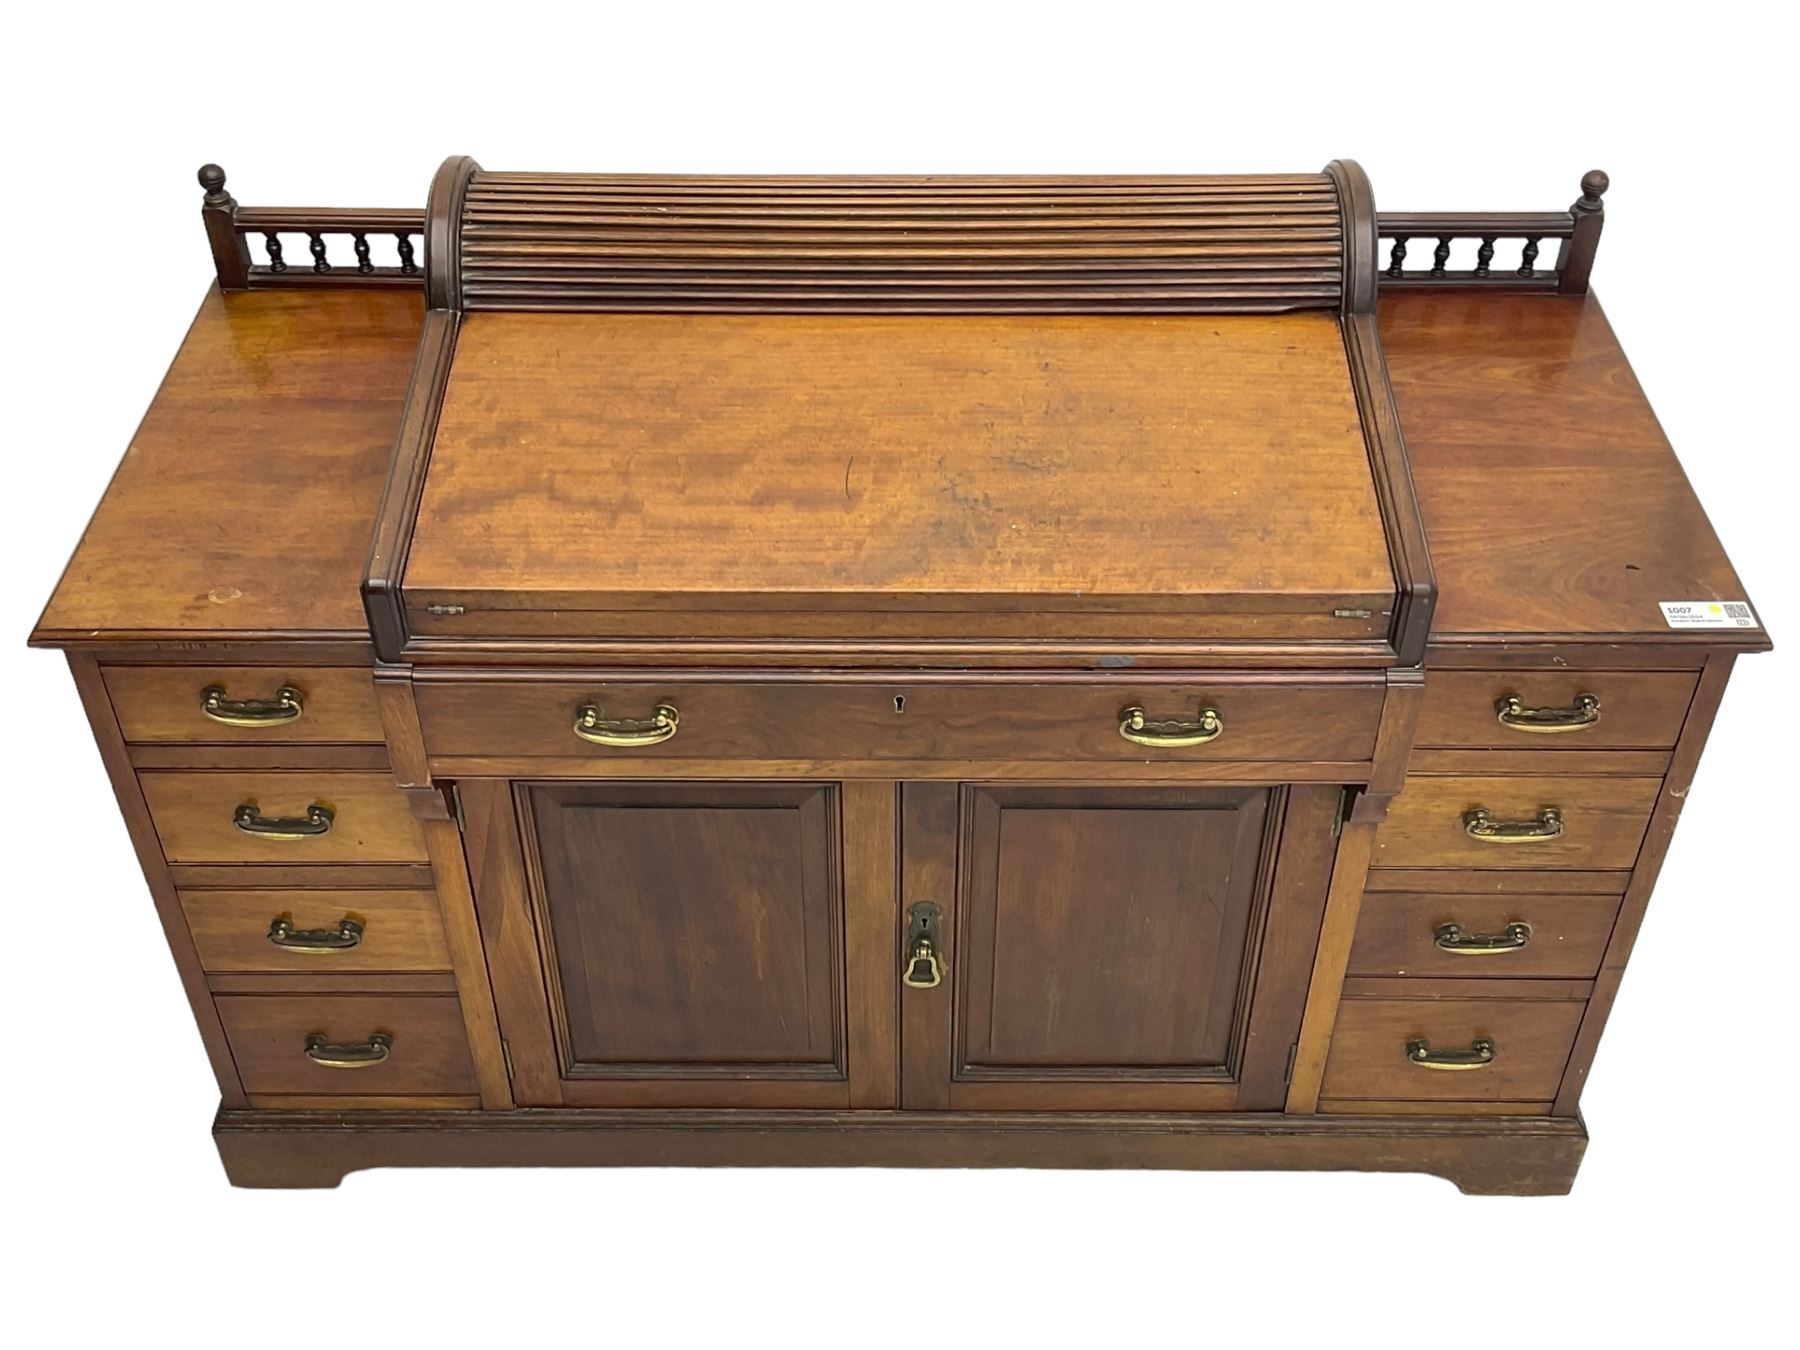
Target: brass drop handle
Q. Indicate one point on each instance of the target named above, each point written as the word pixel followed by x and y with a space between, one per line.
pixel 1480 824
pixel 1136 726
pixel 1452 939
pixel 316 822
pixel 590 725
pixel 316 941
pixel 1513 713
pixel 329 1056
pixel 285 707
pixel 1479 1055
pixel 922 968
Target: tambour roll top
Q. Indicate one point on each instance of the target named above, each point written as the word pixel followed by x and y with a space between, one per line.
pixel 927 244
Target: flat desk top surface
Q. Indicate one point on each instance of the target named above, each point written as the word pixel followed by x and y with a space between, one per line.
pixel 245 503
pixel 247 498
pixel 720 462
pixel 1552 501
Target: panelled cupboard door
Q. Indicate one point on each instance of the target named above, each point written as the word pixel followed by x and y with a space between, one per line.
pixel 687 943
pixel 1109 947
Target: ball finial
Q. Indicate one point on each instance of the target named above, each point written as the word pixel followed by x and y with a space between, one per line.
pixel 212 177
pixel 1594 184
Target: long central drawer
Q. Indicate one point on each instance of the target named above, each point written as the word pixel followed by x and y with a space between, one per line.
pixel 995 719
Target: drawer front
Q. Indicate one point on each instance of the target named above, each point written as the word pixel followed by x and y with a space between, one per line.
pixel 168 703
pixel 317 932
pixel 196 815
pixel 1539 936
pixel 998 720
pixel 428 1054
pixel 1369 1056
pixel 1554 710
pixel 1602 822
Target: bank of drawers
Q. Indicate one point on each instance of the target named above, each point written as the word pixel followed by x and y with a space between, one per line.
pixel 1497 879
pixel 306 889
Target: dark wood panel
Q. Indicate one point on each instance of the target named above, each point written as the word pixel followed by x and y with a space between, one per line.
pixel 1278 718
pixel 1398 934
pixel 430 1053
pixel 1492 1156
pixel 1101 944
pixel 1603 822
pixel 1661 831
pixel 695 930
pixel 158 875
pixel 1105 930
pixel 1637 709
pixel 1369 1048
pixel 244 503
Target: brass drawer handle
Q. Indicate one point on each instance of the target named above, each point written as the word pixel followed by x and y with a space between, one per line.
pixel 316 941
pixel 328 1056
pixel 1480 824
pixel 1479 1055
pixel 627 731
pixel 317 821
pixel 1135 726
pixel 1513 713
pixel 285 707
pixel 1452 939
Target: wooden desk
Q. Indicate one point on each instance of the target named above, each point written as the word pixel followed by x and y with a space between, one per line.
pixel 993 672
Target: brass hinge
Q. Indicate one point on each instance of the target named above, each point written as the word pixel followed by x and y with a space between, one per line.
pixel 1293 1056
pixel 1343 805
pixel 456 807
pixel 506 1057
pixel 446 609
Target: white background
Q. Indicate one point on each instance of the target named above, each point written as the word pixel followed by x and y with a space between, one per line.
pixel 119 1220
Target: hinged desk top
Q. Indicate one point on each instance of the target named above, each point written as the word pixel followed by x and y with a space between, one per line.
pixel 767 475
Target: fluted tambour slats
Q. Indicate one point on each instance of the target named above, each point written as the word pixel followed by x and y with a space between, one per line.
pixel 910 245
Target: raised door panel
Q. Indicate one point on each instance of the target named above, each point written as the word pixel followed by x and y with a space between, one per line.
pixel 1114 948
pixel 687 943
pixel 1099 936
pixel 693 930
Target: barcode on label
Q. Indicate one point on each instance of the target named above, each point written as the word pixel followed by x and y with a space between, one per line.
pixel 1708 614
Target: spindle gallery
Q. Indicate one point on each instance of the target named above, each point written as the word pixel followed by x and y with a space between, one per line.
pixel 1180 672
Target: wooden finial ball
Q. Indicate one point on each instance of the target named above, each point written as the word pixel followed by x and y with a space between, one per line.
pixel 1594 183
pixel 212 178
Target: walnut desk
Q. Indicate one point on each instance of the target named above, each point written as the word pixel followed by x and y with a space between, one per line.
pixel 1151 672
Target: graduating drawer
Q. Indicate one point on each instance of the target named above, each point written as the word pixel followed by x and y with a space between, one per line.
pixel 303 816
pixel 1537 821
pixel 1537 935
pixel 1473 1050
pixel 348 1044
pixel 253 705
pixel 322 932
pixel 1554 709
pixel 998 719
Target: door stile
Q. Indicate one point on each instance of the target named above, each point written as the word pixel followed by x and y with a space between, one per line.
pixel 929 830
pixel 872 926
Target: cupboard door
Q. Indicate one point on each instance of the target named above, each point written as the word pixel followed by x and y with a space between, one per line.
pixel 691 942
pixel 1112 948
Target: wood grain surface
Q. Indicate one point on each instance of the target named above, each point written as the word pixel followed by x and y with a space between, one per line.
pixel 245 501
pixel 1070 464
pixel 1554 504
